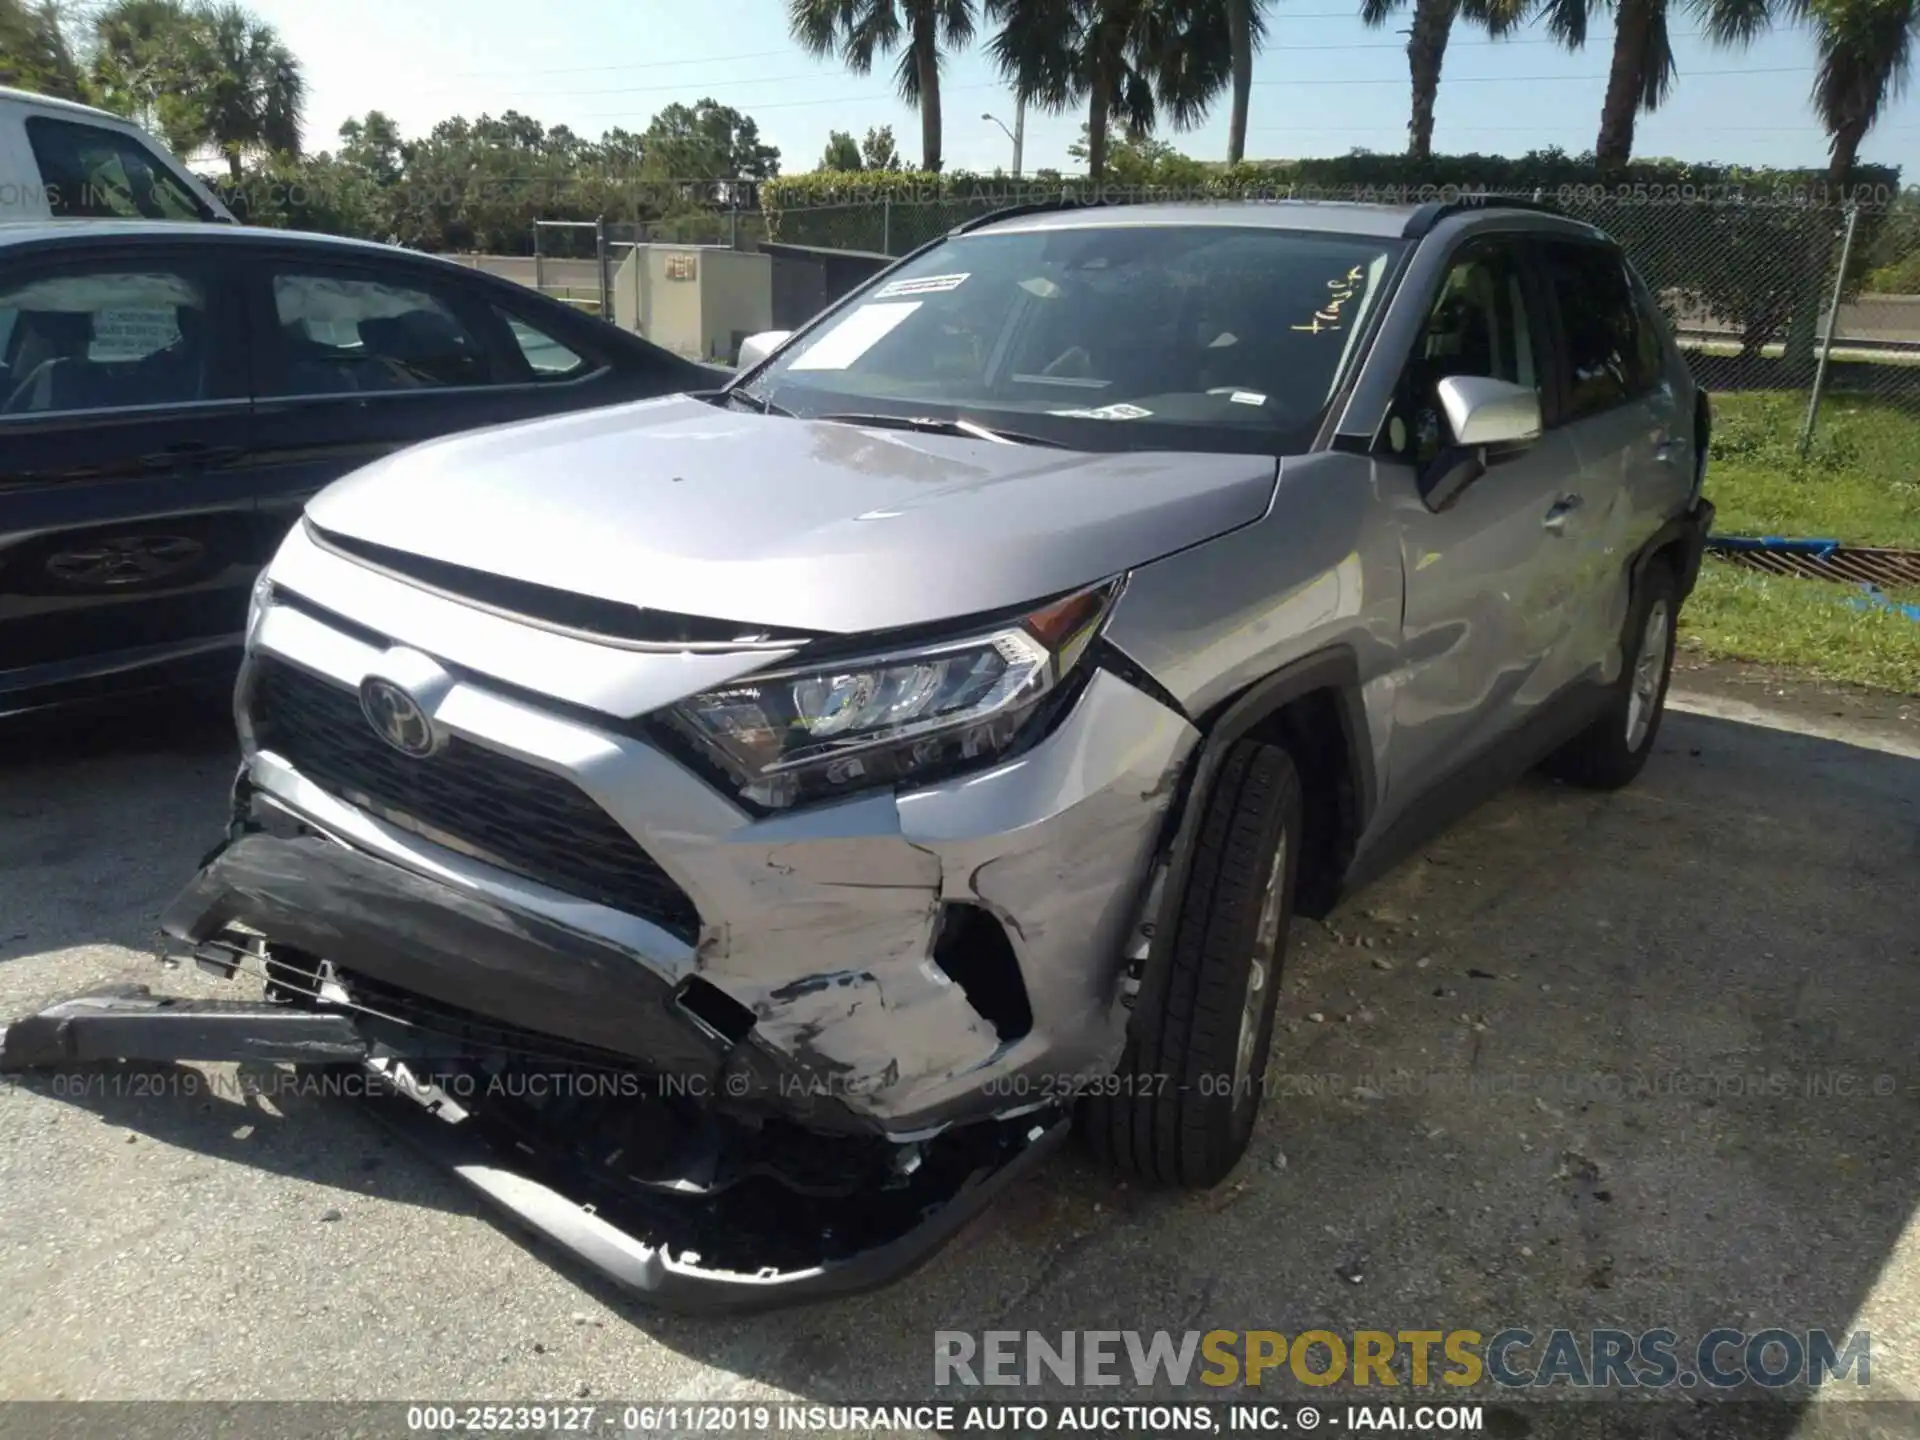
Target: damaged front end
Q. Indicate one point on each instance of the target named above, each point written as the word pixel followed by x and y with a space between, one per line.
pixel 736 1019
pixel 707 1177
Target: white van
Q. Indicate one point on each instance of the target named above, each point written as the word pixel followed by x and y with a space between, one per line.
pixel 59 160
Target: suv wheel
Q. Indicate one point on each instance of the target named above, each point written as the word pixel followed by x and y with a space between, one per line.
pixel 1610 752
pixel 1180 1109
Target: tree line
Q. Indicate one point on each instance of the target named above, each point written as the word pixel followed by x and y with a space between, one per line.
pixel 215 81
pixel 1137 63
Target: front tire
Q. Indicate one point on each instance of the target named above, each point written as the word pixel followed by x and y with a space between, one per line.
pixel 1611 751
pixel 1182 1106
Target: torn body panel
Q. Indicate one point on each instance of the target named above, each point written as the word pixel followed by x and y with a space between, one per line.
pixel 820 923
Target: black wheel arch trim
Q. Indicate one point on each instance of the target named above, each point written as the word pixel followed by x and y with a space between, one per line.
pixel 1687 532
pixel 1334 671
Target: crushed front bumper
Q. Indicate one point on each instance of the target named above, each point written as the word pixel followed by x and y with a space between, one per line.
pixel 703 1175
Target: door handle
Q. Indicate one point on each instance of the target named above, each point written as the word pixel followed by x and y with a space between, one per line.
pixel 1556 520
pixel 1667 451
pixel 192 452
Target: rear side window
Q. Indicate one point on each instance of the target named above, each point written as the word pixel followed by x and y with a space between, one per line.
pixel 341 335
pixel 104 339
pixel 1609 359
pixel 93 173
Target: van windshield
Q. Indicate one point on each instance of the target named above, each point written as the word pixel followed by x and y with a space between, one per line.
pixel 1110 337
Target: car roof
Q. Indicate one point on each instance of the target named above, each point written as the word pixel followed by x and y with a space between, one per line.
pixel 200 232
pixel 1330 217
pixel 50 102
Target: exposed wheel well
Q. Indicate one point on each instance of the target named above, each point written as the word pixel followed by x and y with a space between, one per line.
pixel 1314 732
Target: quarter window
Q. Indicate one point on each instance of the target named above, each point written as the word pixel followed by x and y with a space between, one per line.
pixel 343 335
pixel 101 340
pixel 545 356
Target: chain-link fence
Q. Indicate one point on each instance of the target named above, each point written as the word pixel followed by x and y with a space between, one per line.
pixel 1749 283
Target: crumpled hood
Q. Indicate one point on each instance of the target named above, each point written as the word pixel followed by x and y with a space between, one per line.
pixel 681 506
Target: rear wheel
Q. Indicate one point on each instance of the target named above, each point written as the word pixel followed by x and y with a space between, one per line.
pixel 1611 751
pixel 1181 1108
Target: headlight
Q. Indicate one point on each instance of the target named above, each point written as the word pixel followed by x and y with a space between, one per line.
pixel 829 729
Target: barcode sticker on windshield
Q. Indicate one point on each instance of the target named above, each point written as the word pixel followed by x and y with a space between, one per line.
pixel 854 336
pixel 925 285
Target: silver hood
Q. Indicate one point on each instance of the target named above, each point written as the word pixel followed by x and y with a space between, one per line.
pixel 681 506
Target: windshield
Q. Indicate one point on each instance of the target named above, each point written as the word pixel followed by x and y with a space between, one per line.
pixel 1121 337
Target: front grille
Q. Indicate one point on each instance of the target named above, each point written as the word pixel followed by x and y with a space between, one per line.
pixel 501 810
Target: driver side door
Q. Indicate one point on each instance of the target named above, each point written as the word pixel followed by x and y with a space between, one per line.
pixel 1487 610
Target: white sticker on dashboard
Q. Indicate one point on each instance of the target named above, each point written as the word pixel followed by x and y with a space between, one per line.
pixel 853 336
pixel 1121 411
pixel 1247 397
pixel 925 285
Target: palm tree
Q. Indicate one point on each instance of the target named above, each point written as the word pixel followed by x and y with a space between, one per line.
pixel 141 66
pixel 1431 29
pixel 252 89
pixel 34 53
pixel 1642 71
pixel 858 30
pixel 1246 28
pixel 1866 55
pixel 1125 59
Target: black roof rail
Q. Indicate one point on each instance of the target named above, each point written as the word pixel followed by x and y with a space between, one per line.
pixel 1063 201
pixel 1422 221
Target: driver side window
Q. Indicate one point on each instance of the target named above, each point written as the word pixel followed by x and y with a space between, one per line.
pixel 1478 325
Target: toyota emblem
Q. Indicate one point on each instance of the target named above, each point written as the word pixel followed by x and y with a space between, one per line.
pixel 396 717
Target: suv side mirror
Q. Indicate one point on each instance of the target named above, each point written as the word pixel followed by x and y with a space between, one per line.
pixel 1489 419
pixel 756 348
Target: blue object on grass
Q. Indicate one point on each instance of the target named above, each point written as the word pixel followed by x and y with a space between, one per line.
pixel 1878 599
pixel 1778 543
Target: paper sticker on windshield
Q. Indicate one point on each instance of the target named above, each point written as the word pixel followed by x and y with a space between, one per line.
pixel 925 285
pixel 1247 397
pixel 854 336
pixel 1120 411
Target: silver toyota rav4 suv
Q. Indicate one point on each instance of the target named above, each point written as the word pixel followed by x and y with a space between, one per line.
pixel 746 830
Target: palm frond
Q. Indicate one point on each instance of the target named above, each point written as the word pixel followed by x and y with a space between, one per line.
pixel 1567 20
pixel 1656 59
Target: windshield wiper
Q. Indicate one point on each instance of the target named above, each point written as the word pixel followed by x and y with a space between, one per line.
pixel 755 403
pixel 932 425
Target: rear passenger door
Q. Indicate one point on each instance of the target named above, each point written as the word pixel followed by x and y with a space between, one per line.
pixel 357 360
pixel 1623 415
pixel 125 517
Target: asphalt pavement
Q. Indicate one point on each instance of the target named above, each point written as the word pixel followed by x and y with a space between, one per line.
pixel 1635 1060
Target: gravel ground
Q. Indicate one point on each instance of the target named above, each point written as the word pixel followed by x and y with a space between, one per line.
pixel 1633 965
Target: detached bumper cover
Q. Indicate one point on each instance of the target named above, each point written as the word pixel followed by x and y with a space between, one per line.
pixel 731 1237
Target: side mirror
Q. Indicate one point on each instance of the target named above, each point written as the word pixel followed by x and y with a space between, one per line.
pixel 1489 419
pixel 756 348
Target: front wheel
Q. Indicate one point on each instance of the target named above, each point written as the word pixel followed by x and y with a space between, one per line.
pixel 1188 1089
pixel 1611 751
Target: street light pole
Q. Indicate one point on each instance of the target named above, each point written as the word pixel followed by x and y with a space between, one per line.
pixel 1018 135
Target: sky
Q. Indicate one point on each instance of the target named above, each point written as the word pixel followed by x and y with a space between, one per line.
pixel 1324 85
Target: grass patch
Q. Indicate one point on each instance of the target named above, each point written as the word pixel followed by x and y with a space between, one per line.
pixel 1737 614
pixel 1859 483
